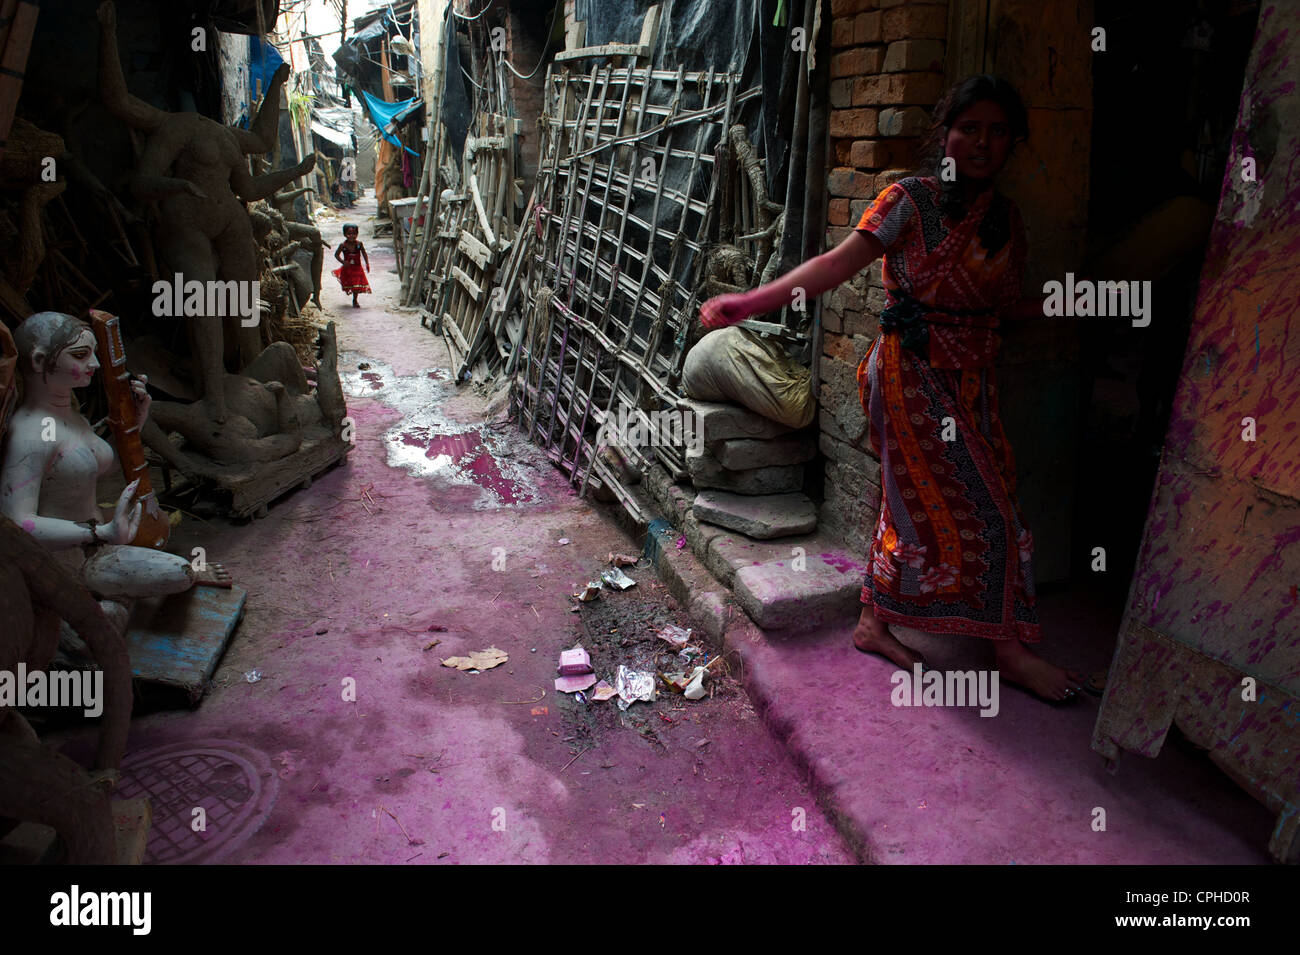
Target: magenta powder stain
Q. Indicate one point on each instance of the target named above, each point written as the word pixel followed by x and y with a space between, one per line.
pixel 29 526
pixel 468 453
pixel 842 563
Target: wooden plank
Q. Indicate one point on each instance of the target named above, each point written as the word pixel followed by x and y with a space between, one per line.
pixel 605 49
pixel 470 246
pixel 177 640
pixel 467 283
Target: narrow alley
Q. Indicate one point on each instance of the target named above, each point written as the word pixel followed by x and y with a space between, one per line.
pixel 356 576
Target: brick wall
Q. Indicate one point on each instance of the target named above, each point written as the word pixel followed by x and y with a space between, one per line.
pixel 886 76
pixel 528 95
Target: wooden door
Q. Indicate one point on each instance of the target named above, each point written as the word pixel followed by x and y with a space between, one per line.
pixel 1210 640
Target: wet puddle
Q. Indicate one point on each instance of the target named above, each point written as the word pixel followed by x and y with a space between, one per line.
pixel 425 444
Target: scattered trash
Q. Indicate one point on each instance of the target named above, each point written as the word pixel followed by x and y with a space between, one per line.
pixel 681 542
pixel 676 681
pixel 617 579
pixel 674 635
pixel 621 560
pixel 603 691
pixel 563 541
pixel 572 684
pixel 582 698
pixel 252 676
pixel 574 662
pixel 431 644
pixel 689 653
pixel 695 691
pixel 532 650
pixel 702 742
pixel 590 593
pixel 436 628
pixel 634 686
pixel 364 366
pixel 478 660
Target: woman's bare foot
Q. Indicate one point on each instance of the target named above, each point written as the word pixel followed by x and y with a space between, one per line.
pixel 213 575
pixel 1020 665
pixel 872 636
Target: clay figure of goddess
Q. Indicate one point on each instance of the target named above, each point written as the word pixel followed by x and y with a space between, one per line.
pixel 49 465
pixel 194 168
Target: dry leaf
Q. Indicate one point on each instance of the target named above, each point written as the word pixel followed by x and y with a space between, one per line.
pixel 478 660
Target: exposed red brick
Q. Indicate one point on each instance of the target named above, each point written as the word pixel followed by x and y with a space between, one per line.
pixel 841 8
pixel 854 62
pixel 843 147
pixel 867 27
pixel 841 93
pixel 912 22
pixel 853 123
pixel 837 212
pixel 841 32
pixel 897 89
pixel 844 181
pixel 869 154
pixel 903 56
pixel 904 121
pixel 837 234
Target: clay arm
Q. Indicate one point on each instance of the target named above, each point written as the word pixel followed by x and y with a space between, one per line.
pixel 292 194
pixel 251 188
pixel 129 109
pixel 150 182
pixel 264 132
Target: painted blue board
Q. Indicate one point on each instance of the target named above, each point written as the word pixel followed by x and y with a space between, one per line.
pixel 178 640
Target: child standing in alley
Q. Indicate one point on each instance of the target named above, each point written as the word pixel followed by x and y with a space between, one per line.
pixel 350 254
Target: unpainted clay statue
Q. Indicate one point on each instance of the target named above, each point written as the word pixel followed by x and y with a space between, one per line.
pixel 195 169
pixel 271 412
pixel 52 460
pixel 38 784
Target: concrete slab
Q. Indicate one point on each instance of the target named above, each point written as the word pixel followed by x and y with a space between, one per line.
pixel 801 592
pixel 738 454
pixel 764 517
pixel 707 472
pixel 720 422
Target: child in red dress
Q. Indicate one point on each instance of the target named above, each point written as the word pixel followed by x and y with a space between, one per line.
pixel 350 253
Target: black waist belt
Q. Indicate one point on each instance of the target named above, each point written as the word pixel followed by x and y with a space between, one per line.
pixel 912 317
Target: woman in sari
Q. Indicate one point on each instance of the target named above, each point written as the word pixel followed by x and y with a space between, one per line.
pixel 951 552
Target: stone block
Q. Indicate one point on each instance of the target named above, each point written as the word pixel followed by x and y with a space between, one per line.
pixel 903 56
pixel 778 596
pixel 720 421
pixel 845 181
pixel 740 454
pixel 707 472
pixel 904 121
pixel 763 518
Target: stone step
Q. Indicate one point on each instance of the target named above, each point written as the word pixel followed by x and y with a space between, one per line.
pixel 792 592
pixel 707 472
pixel 763 517
pixel 738 454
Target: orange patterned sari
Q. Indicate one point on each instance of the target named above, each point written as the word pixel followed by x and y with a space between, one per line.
pixel 951 553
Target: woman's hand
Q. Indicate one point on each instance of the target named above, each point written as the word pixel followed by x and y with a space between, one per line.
pixel 723 310
pixel 142 400
pixel 126 518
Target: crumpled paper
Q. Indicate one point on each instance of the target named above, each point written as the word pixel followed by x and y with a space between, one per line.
pixel 634 686
pixel 617 580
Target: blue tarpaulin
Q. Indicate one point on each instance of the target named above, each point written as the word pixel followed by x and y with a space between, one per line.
pixel 263 60
pixel 384 115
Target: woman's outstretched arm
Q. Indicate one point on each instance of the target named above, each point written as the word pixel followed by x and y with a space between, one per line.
pixel 819 274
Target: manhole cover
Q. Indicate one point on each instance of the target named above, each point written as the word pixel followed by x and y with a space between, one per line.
pixel 233 784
